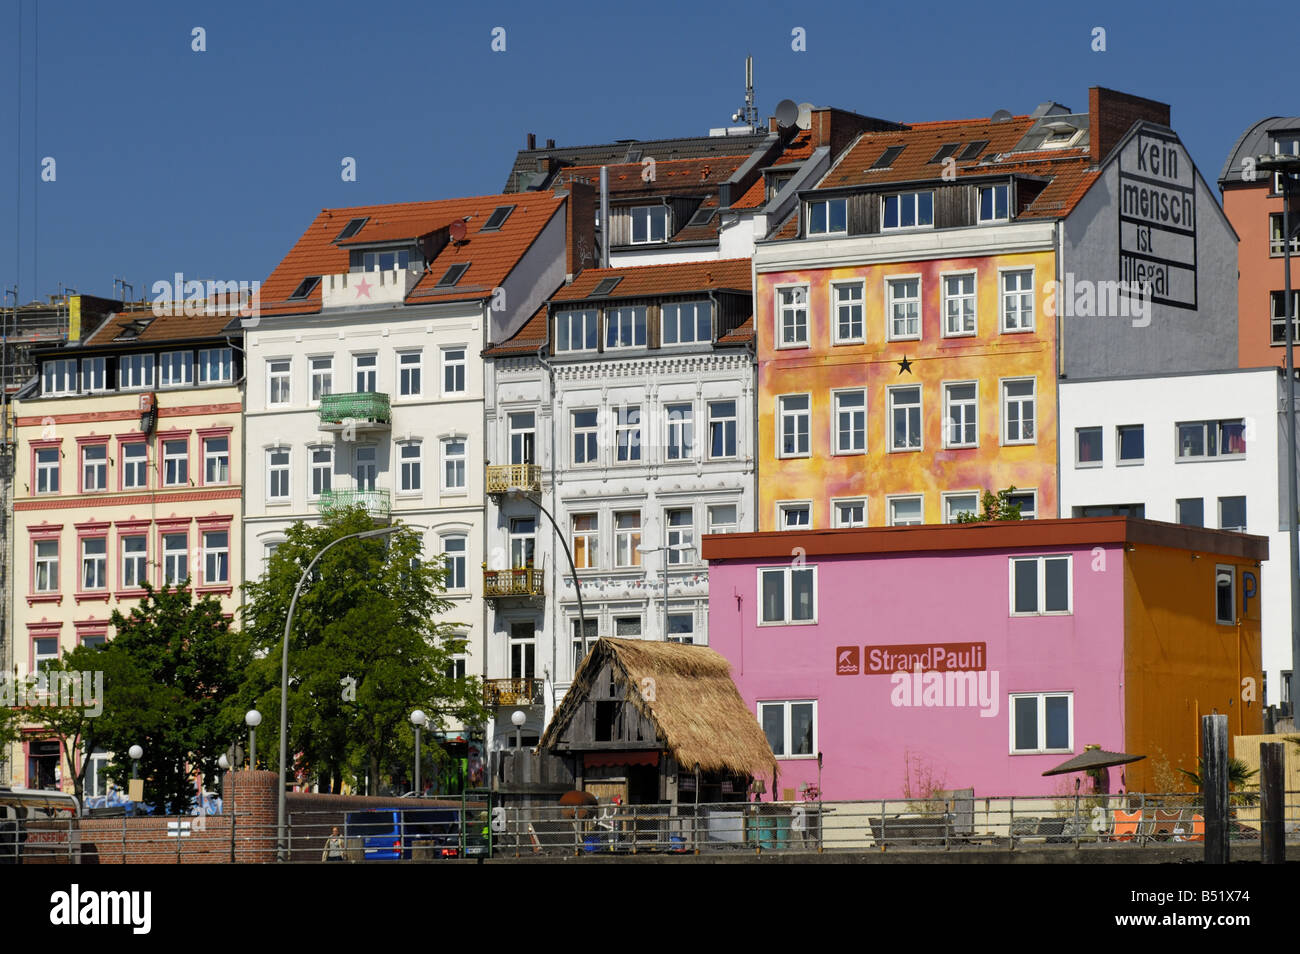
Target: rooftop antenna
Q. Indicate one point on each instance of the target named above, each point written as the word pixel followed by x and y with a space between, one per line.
pixel 749 113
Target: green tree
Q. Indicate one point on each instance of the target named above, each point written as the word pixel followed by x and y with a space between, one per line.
pixel 170 674
pixel 994 507
pixel 366 649
pixel 1239 776
pixel 74 718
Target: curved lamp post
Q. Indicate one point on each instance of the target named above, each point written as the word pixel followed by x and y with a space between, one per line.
pixel 564 542
pixel 280 828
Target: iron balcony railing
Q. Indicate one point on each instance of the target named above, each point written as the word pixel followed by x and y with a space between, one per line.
pixel 378 503
pixel 522 581
pixel 503 477
pixel 514 692
pixel 361 407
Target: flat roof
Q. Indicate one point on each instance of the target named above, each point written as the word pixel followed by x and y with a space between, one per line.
pixel 996 535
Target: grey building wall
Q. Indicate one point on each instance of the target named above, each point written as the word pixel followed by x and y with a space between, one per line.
pixel 1199 338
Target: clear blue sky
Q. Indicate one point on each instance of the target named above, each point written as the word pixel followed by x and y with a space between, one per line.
pixel 214 163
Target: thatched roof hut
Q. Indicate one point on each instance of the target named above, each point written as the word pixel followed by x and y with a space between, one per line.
pixel 684 697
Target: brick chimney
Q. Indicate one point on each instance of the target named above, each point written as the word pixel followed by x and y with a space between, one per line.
pixel 837 128
pixel 532 141
pixel 580 229
pixel 1111 114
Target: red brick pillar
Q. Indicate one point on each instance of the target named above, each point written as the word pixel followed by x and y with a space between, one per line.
pixel 254 813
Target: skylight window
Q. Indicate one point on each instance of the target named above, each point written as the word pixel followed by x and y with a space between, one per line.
pixel 973 151
pixel 497 218
pixel 946 150
pixel 305 287
pixel 702 217
pixel 452 275
pixel 605 286
pixel 888 157
pixel 352 228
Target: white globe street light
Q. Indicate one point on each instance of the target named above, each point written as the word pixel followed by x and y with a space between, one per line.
pixel 419 720
pixel 252 719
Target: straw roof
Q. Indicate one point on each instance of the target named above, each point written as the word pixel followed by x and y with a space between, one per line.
pixel 695 707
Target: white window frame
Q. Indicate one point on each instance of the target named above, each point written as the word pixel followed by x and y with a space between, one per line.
pixel 181 460
pixel 58 377
pixel 100 559
pixel 1079 462
pixel 1005 400
pixel 456 561
pixel 175 559
pixel 138 560
pixel 791 308
pixel 47 472
pixel 891 499
pixel 211 551
pixel 98 467
pixel 127 367
pixel 890 391
pixel 950 497
pixel 283 377
pixel 458 367
pixel 837 519
pixel 320 371
pixel 1021 327
pixel 1231 571
pixel 1042 722
pixel 826 230
pixel 626 541
pixel 784 510
pixel 787 595
pixel 167 362
pixel 840 304
pixel 972 297
pixel 723 526
pixel 627 434
pixel 973 404
pixel 45 567
pixel 679 431
pixel 903 198
pixel 649 213
pixel 1244 504
pixel 273 470
pixel 588 557
pixel 410 467
pixel 1040 597
pixel 686 316
pixel 787 723
pixel 1206 425
pixel 723 420
pixel 795 415
pixel 565 319
pixel 891 300
pixel 365 364
pixel 678 535
pixel 1120 459
pixel 687 637
pixel 838 449
pixel 624 318
pixel 315 467
pixel 94 374
pixel 1032 494
pixel 209 456
pixel 579 437
pixel 979 203
pixel 223 359
pixel 452 460
pixel 410 374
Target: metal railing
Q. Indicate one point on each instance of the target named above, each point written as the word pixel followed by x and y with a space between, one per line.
pixel 521 581
pixel 378 503
pixel 514 692
pixel 503 477
pixel 358 406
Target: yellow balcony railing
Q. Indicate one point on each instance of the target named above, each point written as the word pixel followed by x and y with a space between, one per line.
pixel 513 692
pixel 503 477
pixel 523 581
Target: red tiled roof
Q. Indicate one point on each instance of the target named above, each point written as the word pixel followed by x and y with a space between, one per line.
pixel 647 280
pixel 797 149
pixel 740 334
pixel 156 328
pixel 671 175
pixel 526 340
pixel 492 255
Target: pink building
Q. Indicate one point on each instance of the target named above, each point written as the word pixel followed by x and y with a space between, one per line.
pixel 1019 644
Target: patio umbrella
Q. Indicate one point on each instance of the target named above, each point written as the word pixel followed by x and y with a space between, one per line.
pixel 1093 759
pixel 576 803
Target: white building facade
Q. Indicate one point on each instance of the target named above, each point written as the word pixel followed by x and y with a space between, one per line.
pixel 634 445
pixel 1201 449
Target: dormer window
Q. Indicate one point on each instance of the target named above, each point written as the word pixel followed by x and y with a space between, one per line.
pixel 909 210
pixel 649 224
pixel 575 330
pixel 776 182
pixel 59 377
pixel 1061 135
pixel 993 203
pixel 828 217
pixel 385 260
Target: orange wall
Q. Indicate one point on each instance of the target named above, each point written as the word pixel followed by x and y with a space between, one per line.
pixel 986 357
pixel 1248 208
pixel 1179 663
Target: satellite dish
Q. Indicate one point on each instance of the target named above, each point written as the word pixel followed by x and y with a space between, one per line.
pixel 457 231
pixel 787 113
pixel 804 120
pixel 1001 116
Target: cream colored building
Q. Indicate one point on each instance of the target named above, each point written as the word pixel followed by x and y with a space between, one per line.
pixel 128 468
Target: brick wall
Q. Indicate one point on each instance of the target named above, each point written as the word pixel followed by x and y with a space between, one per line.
pixel 1111 114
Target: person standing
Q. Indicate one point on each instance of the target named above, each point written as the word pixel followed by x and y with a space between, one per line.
pixel 334 847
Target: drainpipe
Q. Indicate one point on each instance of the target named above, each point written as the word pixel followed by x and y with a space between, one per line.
pixel 1060 353
pixel 550 371
pixel 243 470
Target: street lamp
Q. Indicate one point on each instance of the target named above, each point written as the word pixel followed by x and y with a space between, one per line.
pixel 564 542
pixel 1289 167
pixel 136 754
pixel 517 718
pixel 666 549
pixel 280 827
pixel 419 720
pixel 252 719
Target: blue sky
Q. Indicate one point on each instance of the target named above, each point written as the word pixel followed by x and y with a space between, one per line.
pixel 214 163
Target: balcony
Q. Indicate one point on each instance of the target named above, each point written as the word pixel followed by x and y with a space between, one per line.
pixel 514 692
pixel 378 503
pixel 523 581
pixel 375 287
pixel 361 410
pixel 502 477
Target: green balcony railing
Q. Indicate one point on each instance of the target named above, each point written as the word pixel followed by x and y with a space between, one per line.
pixel 363 407
pixel 378 503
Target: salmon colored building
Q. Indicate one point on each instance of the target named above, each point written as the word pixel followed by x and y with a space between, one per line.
pixel 129 469
pixel 1253 203
pixel 981 655
pixel 915 312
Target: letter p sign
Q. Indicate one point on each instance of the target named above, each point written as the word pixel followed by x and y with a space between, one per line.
pixel 1249 590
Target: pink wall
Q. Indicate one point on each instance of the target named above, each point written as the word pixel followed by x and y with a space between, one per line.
pixel 923 598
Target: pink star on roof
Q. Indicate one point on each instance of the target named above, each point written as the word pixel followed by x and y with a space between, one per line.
pixel 363 288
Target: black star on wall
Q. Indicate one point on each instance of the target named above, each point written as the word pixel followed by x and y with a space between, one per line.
pixel 905 365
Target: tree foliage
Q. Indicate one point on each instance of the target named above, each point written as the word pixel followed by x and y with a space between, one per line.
pixel 77 726
pixel 994 507
pixel 366 649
